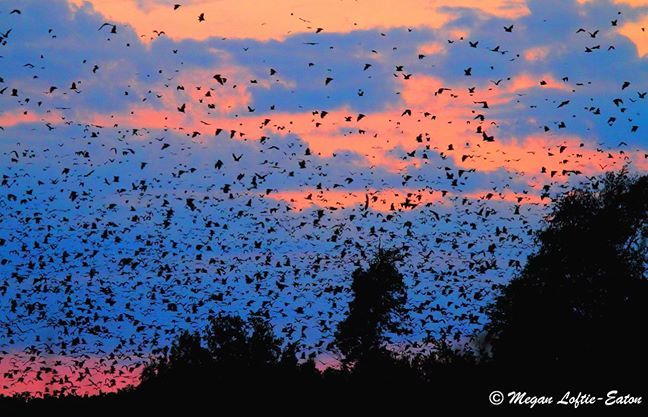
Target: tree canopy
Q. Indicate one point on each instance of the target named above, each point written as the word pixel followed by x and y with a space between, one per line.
pixel 583 296
pixel 377 306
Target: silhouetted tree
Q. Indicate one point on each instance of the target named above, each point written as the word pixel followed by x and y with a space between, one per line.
pixel 263 346
pixel 377 306
pixel 238 347
pixel 186 356
pixel 582 299
pixel 232 352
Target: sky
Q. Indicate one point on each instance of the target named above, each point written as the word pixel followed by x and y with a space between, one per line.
pixel 162 164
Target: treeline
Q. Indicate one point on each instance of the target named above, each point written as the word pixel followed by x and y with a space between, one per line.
pixel 574 318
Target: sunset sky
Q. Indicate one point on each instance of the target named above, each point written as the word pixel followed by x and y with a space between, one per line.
pixel 162 164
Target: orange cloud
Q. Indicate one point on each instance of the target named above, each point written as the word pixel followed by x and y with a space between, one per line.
pixel 633 3
pixel 537 53
pixel 508 197
pixel 378 200
pixel 430 120
pixel 390 200
pixel 525 81
pixel 263 20
pixel 537 156
pixel 432 48
pixel 203 90
pixel 635 31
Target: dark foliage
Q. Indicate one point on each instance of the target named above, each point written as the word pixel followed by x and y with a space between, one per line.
pixel 233 354
pixel 582 299
pixel 377 306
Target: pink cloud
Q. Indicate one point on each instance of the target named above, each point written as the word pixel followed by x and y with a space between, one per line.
pixel 282 18
pixel 18 117
pixel 42 375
